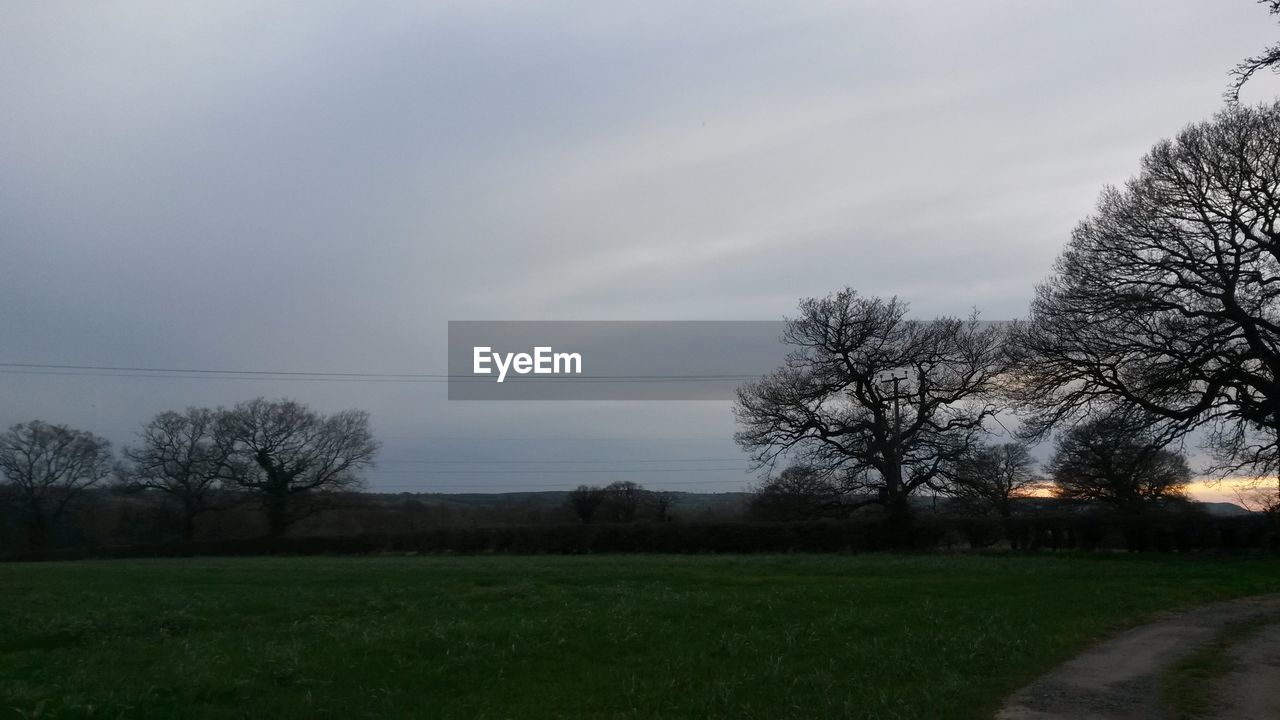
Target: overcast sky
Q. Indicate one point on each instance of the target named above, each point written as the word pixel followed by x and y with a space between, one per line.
pixel 322 186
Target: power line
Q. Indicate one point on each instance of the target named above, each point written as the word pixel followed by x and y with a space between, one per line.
pixel 531 487
pixel 125 368
pixel 457 378
pixel 126 371
pixel 556 462
pixel 593 471
pixel 142 376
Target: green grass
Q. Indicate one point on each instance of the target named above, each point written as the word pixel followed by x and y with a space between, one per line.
pixel 874 636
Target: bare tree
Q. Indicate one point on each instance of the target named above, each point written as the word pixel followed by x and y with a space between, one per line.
pixel 284 452
pixel 873 400
pixel 992 477
pixel 1166 300
pixel 178 456
pixel 1117 460
pixel 1268 60
pixel 584 500
pixel 1257 497
pixel 798 492
pixel 48 466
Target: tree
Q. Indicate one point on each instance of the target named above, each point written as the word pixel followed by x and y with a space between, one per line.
pixel 1268 60
pixel 1117 460
pixel 991 477
pixel 283 452
pixel 178 456
pixel 797 493
pixel 1258 497
pixel 1167 299
pixel 836 407
pixel 584 500
pixel 46 467
pixel 662 503
pixel 623 498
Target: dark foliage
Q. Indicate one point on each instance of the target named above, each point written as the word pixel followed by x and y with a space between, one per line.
pixel 798 493
pixel 46 468
pixel 280 451
pixel 990 478
pixel 1164 300
pixel 875 401
pixel 1179 531
pixel 1117 460
pixel 585 500
pixel 180 457
pixel 1269 59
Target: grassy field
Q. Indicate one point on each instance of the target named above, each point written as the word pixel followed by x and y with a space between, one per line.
pixel 870 636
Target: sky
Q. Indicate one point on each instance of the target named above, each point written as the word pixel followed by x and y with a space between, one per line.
pixel 322 186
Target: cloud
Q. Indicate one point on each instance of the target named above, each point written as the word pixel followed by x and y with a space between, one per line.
pixel 323 186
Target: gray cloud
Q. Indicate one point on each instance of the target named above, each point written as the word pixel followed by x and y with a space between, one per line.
pixel 323 186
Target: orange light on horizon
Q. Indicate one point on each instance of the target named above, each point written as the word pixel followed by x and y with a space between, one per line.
pixel 1228 489
pixel 1201 489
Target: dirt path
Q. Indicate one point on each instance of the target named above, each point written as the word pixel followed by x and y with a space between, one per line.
pixel 1121 678
pixel 1252 695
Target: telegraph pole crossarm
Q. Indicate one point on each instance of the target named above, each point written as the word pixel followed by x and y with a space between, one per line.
pixel 895 379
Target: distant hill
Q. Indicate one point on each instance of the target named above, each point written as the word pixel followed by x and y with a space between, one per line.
pixel 693 504
pixel 684 504
pixel 1224 509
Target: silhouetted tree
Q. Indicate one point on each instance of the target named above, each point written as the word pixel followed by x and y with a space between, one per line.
pixel 1117 460
pixel 662 503
pixel 1166 300
pixel 285 453
pixel 797 493
pixel 622 499
pixel 1268 60
pixel 832 407
pixel 1261 496
pixel 180 457
pixel 585 500
pixel 46 467
pixel 991 477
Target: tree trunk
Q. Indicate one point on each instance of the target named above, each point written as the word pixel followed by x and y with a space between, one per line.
pixel 899 517
pixel 37 533
pixel 278 514
pixel 897 507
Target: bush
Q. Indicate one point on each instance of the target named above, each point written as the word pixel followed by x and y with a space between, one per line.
pixel 1163 532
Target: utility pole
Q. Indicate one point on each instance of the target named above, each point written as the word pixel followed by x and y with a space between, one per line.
pixel 895 379
pixel 897 411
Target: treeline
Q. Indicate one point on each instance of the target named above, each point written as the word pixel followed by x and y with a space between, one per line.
pixel 278 457
pixel 112 515
pixel 261 469
pixel 1098 465
pixel 621 501
pixel 1159 323
pixel 1174 532
pixel 797 512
